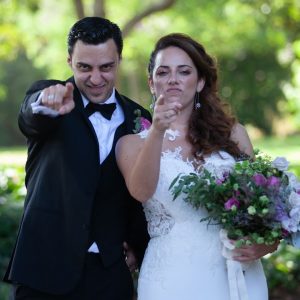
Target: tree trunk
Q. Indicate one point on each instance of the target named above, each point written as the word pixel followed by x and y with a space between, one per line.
pixel 99 11
pixel 99 8
pixel 79 8
pixel 155 7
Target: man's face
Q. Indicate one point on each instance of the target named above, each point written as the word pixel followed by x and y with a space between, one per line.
pixel 95 69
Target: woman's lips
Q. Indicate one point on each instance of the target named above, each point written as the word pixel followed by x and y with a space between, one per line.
pixel 173 91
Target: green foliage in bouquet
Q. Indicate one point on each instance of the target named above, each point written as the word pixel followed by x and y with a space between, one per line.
pixel 250 201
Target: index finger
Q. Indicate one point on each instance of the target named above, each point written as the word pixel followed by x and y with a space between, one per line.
pixel 66 108
pixel 160 100
pixel 69 89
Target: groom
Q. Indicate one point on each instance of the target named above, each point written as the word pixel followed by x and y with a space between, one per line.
pixel 78 212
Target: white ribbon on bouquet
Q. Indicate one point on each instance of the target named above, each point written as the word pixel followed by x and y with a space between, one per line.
pixel 235 270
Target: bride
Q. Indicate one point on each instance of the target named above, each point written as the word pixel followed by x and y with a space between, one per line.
pixel 191 130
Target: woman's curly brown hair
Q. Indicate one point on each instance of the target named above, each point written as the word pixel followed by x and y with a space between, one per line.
pixel 210 126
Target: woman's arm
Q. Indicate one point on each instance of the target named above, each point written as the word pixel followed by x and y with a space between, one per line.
pixel 138 159
pixel 139 162
pixel 241 137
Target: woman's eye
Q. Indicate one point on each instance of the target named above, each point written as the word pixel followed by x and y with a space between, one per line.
pixel 161 73
pixel 185 72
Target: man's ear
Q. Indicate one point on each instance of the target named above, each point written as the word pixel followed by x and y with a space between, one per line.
pixel 69 60
pixel 200 85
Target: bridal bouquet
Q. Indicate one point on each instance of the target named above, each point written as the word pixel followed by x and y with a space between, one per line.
pixel 257 201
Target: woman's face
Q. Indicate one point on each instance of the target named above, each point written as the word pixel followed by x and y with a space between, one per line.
pixel 175 76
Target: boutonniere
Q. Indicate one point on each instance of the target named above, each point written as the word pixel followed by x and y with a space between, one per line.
pixel 140 123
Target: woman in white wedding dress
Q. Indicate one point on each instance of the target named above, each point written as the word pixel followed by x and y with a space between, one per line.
pixel 191 130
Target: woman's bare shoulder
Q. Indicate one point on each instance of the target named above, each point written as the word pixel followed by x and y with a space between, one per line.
pixel 129 142
pixel 240 135
pixel 238 130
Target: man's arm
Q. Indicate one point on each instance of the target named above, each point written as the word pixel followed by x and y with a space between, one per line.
pixel 58 98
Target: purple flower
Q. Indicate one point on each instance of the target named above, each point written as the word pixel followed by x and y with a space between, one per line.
pixel 219 181
pixel 259 179
pixel 284 232
pixel 226 175
pixel 280 213
pixel 140 122
pixel 231 202
pixel 222 178
pixel 273 181
pixel 237 193
pixel 145 124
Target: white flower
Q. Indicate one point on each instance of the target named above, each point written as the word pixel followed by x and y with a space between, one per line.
pixel 293 181
pixel 207 181
pixel 291 224
pixel 294 199
pixel 280 163
pixel 295 219
pixel 219 163
pixel 296 239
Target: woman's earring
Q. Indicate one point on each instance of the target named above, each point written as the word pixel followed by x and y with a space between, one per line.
pixel 197 101
pixel 152 102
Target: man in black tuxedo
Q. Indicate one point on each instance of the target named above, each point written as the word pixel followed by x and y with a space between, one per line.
pixel 78 212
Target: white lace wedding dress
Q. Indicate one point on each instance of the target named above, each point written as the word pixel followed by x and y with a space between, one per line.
pixel 183 260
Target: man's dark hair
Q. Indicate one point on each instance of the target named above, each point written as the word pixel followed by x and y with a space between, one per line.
pixel 95 30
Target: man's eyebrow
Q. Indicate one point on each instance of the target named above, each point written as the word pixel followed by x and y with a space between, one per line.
pixel 103 65
pixel 82 63
pixel 108 64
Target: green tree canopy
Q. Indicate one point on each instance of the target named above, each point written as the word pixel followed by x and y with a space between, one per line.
pixel 256 44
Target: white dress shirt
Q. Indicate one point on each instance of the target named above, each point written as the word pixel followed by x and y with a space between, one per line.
pixel 105 129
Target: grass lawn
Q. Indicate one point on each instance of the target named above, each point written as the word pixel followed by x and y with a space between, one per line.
pixel 288 147
pixel 15 156
pixel 274 146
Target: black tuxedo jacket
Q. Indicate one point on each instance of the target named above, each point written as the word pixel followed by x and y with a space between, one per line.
pixel 71 200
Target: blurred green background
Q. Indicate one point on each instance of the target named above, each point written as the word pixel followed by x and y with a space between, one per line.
pixel 257 47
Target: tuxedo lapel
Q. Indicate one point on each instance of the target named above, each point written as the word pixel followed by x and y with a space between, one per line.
pixel 128 113
pixel 79 107
pixel 77 97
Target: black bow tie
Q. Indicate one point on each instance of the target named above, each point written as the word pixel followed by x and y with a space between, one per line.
pixel 106 110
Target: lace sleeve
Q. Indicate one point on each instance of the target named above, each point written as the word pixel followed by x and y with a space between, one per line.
pixel 160 222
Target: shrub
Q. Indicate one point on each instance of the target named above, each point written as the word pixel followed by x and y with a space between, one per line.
pixel 12 192
pixel 282 269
